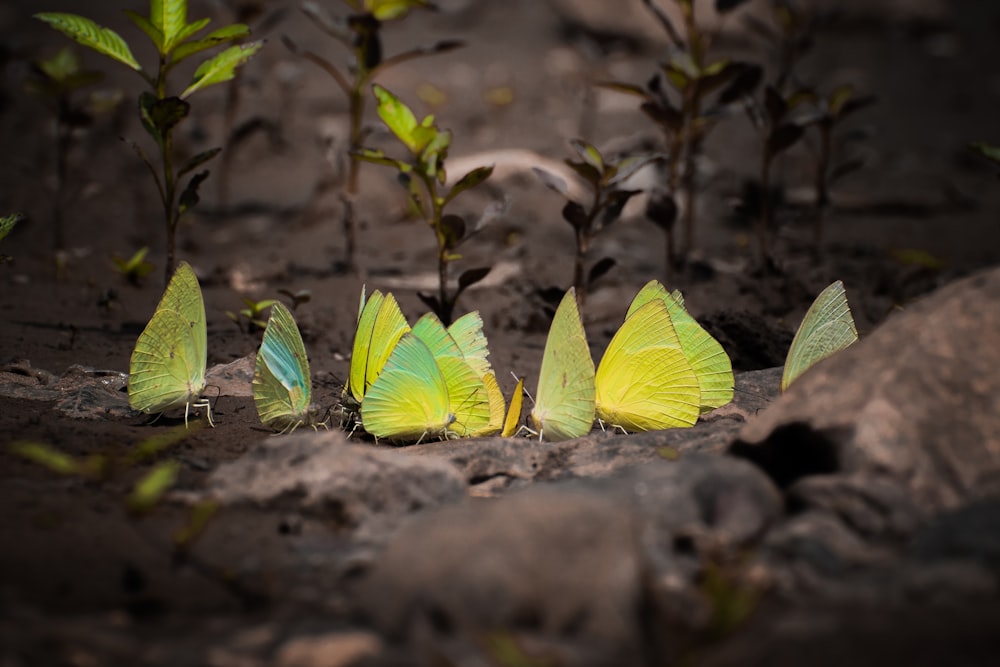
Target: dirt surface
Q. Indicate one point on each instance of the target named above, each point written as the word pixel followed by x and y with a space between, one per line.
pixel 70 549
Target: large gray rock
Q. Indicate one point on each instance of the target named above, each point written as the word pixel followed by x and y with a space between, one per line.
pixel 916 404
pixel 581 560
pixel 321 474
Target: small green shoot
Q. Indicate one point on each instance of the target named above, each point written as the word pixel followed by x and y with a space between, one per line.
pixel 254 314
pixel 175 41
pixel 605 179
pixel 423 175
pixel 56 80
pixel 991 153
pixel 7 223
pixel 677 100
pixel 297 298
pixel 135 268
pixel 831 111
pixel 151 487
pixel 360 33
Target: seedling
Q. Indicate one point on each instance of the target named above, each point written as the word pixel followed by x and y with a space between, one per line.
pixel 135 268
pixel 991 153
pixel 779 132
pixel 160 112
pixel 297 298
pixel 423 175
pixel 604 179
pixel 7 223
pixel 831 111
pixel 57 79
pixel 791 35
pixel 254 314
pixel 677 100
pixel 360 33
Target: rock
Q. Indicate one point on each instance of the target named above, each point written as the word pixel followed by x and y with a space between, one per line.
pixel 576 560
pixel 916 403
pixel 332 650
pixel 318 473
pixel 494 465
pixel 234 378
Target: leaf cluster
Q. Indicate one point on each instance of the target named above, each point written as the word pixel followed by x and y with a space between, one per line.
pixel 423 174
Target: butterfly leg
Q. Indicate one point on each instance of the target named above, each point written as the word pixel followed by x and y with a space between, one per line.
pixel 200 403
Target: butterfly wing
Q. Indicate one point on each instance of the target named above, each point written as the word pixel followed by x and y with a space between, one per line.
pixel 469 398
pixel 644 381
pixel 706 355
pixel 828 327
pixel 367 313
pixel 564 402
pixel 167 367
pixel 513 417
pixel 282 389
pixel 467 332
pixel 410 398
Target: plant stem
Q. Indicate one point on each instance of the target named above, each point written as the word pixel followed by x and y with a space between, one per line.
pixel 822 187
pixel 64 136
pixel 764 221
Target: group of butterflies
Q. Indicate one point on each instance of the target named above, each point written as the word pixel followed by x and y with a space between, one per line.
pixel 660 370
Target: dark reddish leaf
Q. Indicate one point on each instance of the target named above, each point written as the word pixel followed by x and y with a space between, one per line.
pixel 662 210
pixel 775 105
pixel 574 214
pixel 783 137
pixel 600 268
pixel 747 78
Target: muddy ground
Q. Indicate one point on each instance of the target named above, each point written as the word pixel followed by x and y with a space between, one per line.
pixel 71 553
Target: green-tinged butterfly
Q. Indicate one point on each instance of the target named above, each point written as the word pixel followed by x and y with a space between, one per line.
pixel 409 399
pixel 282 386
pixel 467 331
pixel 828 327
pixel 707 357
pixel 644 381
pixel 380 325
pixel 167 369
pixel 564 401
pixel 468 397
pixel 513 418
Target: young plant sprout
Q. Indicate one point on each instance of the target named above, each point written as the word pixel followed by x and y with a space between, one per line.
pixel 254 314
pixel 677 100
pixel 831 111
pixel 360 33
pixel 7 223
pixel 423 175
pixel 160 111
pixel 57 79
pixel 135 268
pixel 991 153
pixel 790 34
pixel 779 132
pixel 605 180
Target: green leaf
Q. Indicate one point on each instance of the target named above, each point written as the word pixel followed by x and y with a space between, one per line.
pixel 221 67
pixel 198 160
pixel 586 171
pixel 155 34
pixel 434 151
pixel 201 514
pixel 992 153
pixel 387 10
pixel 46 456
pixel 159 117
pixel 7 223
pixel 189 198
pixel 378 157
pixel 397 117
pixel 621 87
pixel 155 444
pixel 190 30
pixel 170 17
pixel 230 33
pixel 103 40
pixel 589 153
pixel 470 180
pixel 152 486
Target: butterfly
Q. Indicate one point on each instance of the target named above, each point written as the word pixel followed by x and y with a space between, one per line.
pixel 409 399
pixel 167 368
pixel 707 357
pixel 510 422
pixel 282 386
pixel 564 402
pixel 469 393
pixel 828 327
pixel 644 381
pixel 380 325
